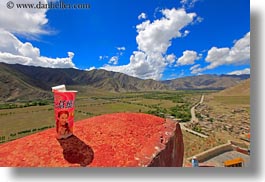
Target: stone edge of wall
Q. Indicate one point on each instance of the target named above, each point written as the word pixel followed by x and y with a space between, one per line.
pixel 173 153
pixel 229 146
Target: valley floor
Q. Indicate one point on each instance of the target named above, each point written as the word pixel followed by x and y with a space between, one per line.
pixel 221 118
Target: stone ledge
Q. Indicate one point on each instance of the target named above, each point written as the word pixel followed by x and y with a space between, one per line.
pixel 112 140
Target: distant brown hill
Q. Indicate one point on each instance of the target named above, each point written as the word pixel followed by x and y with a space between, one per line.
pixel 17 86
pixel 241 89
pixel 18 82
pixel 214 82
pixel 30 82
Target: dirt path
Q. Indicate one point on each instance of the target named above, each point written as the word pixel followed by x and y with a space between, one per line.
pixel 193 119
pixel 192 110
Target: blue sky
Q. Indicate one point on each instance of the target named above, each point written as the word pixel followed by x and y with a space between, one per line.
pixel 158 39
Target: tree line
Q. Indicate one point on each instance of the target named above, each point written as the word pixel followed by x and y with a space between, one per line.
pixel 16 135
pixel 22 105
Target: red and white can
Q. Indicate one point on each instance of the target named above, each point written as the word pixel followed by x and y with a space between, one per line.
pixel 64 111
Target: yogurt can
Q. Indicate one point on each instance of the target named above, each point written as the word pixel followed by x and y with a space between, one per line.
pixel 64 112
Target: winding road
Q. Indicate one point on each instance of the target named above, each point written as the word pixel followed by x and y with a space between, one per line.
pixel 192 111
pixel 194 119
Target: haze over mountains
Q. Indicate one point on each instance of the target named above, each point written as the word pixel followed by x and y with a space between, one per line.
pixel 18 82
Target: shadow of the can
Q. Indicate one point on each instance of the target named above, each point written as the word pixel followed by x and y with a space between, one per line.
pixel 76 151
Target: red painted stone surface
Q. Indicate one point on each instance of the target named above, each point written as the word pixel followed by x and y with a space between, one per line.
pixel 112 140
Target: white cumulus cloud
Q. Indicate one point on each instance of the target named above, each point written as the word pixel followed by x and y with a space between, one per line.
pixel 142 16
pixel 188 58
pixel 240 72
pixel 28 23
pixel 171 58
pixel 239 54
pixel 13 51
pixel 114 60
pixel 23 21
pixel 153 39
pixel 196 69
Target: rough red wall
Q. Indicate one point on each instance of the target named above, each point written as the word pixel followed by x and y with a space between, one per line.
pixel 112 140
pixel 172 154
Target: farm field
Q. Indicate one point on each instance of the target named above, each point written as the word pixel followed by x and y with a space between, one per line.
pixel 19 122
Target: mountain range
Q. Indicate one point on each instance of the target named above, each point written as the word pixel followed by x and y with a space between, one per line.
pixel 19 82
